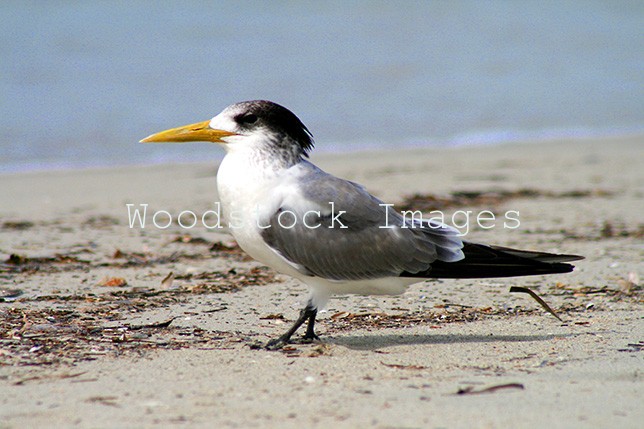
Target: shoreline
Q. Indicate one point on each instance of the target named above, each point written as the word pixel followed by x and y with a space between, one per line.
pixel 466 141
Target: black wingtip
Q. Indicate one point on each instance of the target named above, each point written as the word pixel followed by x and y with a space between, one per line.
pixel 483 261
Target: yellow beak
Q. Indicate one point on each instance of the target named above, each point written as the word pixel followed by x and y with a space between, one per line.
pixel 199 132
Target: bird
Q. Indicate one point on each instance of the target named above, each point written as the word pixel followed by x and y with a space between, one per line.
pixel 327 232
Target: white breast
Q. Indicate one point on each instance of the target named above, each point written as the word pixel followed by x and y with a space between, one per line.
pixel 248 196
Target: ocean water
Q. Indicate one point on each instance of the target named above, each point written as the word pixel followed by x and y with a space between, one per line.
pixel 81 82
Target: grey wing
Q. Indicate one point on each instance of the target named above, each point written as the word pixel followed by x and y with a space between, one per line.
pixel 356 244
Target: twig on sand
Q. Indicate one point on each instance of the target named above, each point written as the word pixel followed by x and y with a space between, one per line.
pixel 536 298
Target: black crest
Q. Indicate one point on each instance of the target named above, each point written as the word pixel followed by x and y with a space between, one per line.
pixel 262 113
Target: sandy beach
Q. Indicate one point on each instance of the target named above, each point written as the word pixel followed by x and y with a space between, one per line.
pixel 103 325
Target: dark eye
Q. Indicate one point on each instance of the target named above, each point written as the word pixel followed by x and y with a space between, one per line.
pixel 247 119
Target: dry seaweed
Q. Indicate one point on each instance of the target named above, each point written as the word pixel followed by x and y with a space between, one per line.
pixel 470 389
pixel 9 293
pixel 52 337
pixel 151 325
pixel 91 323
pixel 48 377
pixel 218 247
pixel 608 230
pixel 104 400
pixel 189 239
pixel 59 262
pixel 112 282
pixel 233 251
pixel 633 347
pixel 624 289
pixel 216 282
pixel 407 367
pixel 101 222
pixel 18 225
pixel 344 321
pixel 229 281
pixel 19 264
pixel 429 202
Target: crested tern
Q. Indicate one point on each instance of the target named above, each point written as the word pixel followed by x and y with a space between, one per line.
pixel 328 232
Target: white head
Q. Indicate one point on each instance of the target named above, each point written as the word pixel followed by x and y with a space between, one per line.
pixel 257 125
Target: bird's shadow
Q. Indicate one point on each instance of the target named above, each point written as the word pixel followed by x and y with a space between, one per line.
pixel 374 342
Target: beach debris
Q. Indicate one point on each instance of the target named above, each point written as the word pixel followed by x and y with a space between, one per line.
pixel 469 390
pixel 118 254
pixel 10 293
pixel 322 349
pixel 101 222
pixel 276 316
pixel 537 298
pixel 151 325
pixel 17 263
pixel 229 249
pixel 112 282
pixel 630 284
pixel 15 259
pixel 229 281
pixel 60 376
pixel 221 246
pixel 429 202
pixel 166 283
pixel 133 258
pixel 451 304
pixel 189 239
pixel 214 310
pixel 342 321
pixel 608 230
pixel 17 225
pixel 399 366
pixel 109 401
pixel 50 336
pixel 627 288
pixel 633 347
pixel 289 350
pixel 340 315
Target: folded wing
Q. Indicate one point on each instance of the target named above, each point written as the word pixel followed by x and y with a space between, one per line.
pixel 366 241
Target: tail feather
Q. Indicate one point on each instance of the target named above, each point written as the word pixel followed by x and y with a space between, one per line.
pixel 538 256
pixel 482 261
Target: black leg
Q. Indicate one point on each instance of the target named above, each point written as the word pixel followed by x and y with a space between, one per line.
pixel 307 313
pixel 310 328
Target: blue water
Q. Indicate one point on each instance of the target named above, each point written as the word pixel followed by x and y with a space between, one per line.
pixel 82 82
